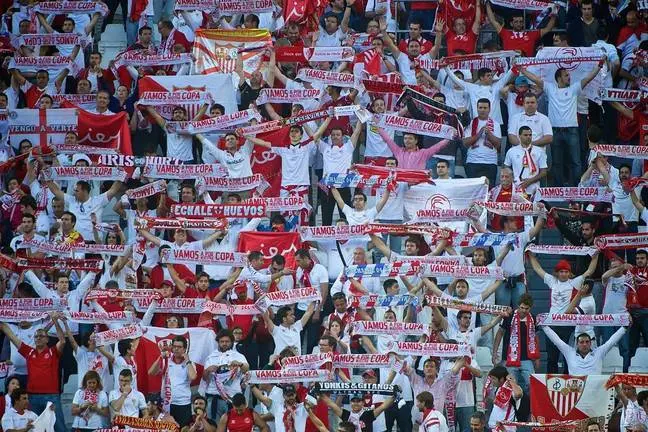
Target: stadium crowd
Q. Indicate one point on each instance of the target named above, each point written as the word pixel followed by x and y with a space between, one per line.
pixel 422 151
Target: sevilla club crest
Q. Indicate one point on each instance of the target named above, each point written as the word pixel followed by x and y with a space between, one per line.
pixel 565 391
pixel 164 343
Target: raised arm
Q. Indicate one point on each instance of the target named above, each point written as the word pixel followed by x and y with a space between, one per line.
pixel 56 190
pixel 536 266
pixel 537 227
pixel 331 404
pixel 593 72
pixel 533 77
pixel 150 237
pixel 553 337
pixel 338 198
pixel 356 133
pixel 492 18
pixel 259 142
pixel 383 200
pixel 380 245
pixel 309 311
pixel 592 266
pixel 157 118
pixel 477 21
pixel 10 334
pixel 490 290
pixel 265 400
pixel 320 131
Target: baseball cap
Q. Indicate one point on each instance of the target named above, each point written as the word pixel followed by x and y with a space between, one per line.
pixel 369 372
pixel 356 396
pixel 521 80
pixel 167 282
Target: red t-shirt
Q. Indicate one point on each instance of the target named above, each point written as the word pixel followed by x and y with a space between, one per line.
pixel 426 45
pixel 341 122
pixel 240 422
pixel 204 319
pixel 466 42
pixel 243 321
pixel 423 5
pixel 524 41
pixel 43 369
pixel 33 95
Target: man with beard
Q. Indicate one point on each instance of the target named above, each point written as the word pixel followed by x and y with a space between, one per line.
pixel 289 414
pixel 224 361
pixel 200 421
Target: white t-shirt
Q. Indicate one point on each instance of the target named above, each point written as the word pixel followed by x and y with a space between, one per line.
pixel 12 420
pixel 453 322
pixel 94 420
pixel 238 164
pixel 622 202
pixel 562 104
pixel 480 152
pixel 395 206
pixel 277 409
pixel 614 300
pixel 180 383
pixel 516 159
pixel 91 360
pixel 538 122
pixel 330 40
pixel 218 358
pixel 336 159
pixel 134 403
pixel 179 146
pixel 356 217
pixel 82 211
pixel 561 292
pixel 513 262
pixel 16 241
pixel 375 145
pixel 294 164
pixel 287 337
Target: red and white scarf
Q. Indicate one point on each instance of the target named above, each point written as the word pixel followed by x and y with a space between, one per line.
pixel 256 182
pixel 622 241
pixel 584 194
pixel 377 328
pixel 192 5
pixel 282 95
pixel 84 173
pixel 337 79
pixel 625 151
pixel 429 349
pixel 513 356
pixel 569 320
pixel 147 190
pixel 415 126
pixel 490 125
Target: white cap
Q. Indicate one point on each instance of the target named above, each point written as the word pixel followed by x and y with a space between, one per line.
pixel 79 157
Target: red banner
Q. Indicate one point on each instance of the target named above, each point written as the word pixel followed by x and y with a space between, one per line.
pixel 271 244
pixel 268 163
pixel 96 130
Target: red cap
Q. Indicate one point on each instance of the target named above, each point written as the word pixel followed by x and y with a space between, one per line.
pixel 563 265
pixel 369 372
pixel 167 282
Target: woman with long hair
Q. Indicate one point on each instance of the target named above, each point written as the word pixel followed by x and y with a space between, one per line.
pixel 90 404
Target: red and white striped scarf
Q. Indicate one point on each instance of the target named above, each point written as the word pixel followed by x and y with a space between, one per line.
pixel 513 356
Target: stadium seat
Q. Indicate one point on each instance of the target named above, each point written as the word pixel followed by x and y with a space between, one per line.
pixel 639 362
pixel 612 362
pixel 113 41
pixel 72 385
pixel 484 358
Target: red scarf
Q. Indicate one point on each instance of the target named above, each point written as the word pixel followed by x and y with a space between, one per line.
pixel 305 278
pixel 289 418
pixel 528 162
pixel 490 125
pixel 519 98
pixel 513 355
pixel 503 395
